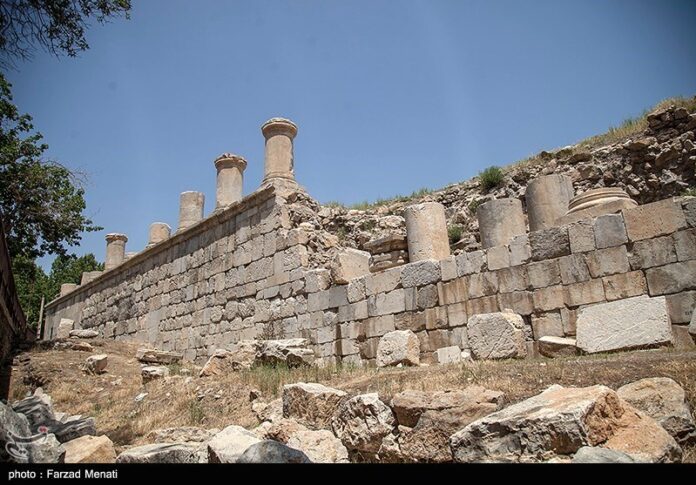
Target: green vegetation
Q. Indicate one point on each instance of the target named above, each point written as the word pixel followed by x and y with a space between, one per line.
pixel 691 191
pixel 454 233
pixel 491 177
pixel 473 205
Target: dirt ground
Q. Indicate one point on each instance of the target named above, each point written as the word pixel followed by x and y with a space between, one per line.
pixel 184 399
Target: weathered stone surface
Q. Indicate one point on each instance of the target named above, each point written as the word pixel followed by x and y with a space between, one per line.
pixel 426 229
pixel 496 336
pixel 420 273
pixel 349 264
pixel 90 449
pixel 229 444
pixel 581 236
pixel 449 355
pixel 653 252
pixel 73 345
pixel 692 325
pixel 398 347
pixel 96 364
pixel 295 352
pixel 623 324
pixel 310 403
pixel 665 401
pixel 272 452
pixel 547 325
pixel 557 346
pixel 15 425
pixel 597 454
pixel 590 416
pixel 241 355
pixel 549 243
pixel 652 220
pixel 163 453
pixel 184 434
pixel 64 328
pixel 152 372
pixel 500 220
pixel 672 278
pixel 362 422
pixel 609 230
pixel 320 446
pixel 624 285
pixel 153 356
pixel 84 333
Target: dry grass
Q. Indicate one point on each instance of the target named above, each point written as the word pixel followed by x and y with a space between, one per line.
pixel 218 402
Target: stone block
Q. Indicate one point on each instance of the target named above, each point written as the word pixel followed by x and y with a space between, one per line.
pixel 671 278
pixel 518 301
pixel 610 231
pixel 655 219
pixel 378 326
pixel 512 279
pixel 547 324
pixel 384 281
pixel 449 355
pixel 681 338
pixel 680 306
pixel 426 297
pixel 605 262
pixel 496 336
pixel 689 207
pixel 349 264
pixel 569 318
pixel 448 268
pixel 486 304
pixel 573 269
pixel 482 284
pixel 635 322
pixel 452 292
pixel 550 346
pixel 550 298
pixel 498 257
pixel 544 273
pixel 624 285
pixel 585 293
pixel 581 236
pixel 469 263
pixel 652 252
pixel 398 347
pixel 456 314
pixel 420 273
pixel 520 250
pixel 549 243
pixel 385 303
pixel 685 244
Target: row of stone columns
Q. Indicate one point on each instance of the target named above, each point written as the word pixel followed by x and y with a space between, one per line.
pixel 279 134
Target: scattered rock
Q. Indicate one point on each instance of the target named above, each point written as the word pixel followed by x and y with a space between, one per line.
pixel 229 444
pixel 90 449
pixel 184 434
pixel 665 401
pixel 496 336
pixel 84 333
pixel 311 404
pixel 550 346
pixel 73 345
pixel 153 356
pixel 163 453
pixel 14 426
pixel 153 372
pixel 596 454
pixel 272 452
pixel 96 364
pixel 320 446
pixel 295 352
pixel 398 347
pixel 362 422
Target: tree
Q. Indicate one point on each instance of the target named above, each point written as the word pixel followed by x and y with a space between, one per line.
pixel 42 202
pixel 69 269
pixel 57 26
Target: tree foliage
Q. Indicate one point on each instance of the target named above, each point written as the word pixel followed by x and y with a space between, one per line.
pixel 42 202
pixel 57 26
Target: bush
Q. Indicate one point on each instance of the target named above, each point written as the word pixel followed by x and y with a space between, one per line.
pixel 491 177
pixel 454 233
pixel 691 191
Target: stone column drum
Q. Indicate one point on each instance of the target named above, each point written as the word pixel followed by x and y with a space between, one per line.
pixel 500 220
pixel 279 161
pixel 115 250
pixel 547 199
pixel 230 177
pixel 190 209
pixel 426 231
pixel 159 231
pixel 66 288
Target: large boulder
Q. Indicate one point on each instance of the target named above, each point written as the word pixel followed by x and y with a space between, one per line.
pixel 320 446
pixel 240 356
pixel 295 352
pixel 625 324
pixel 163 453
pixel 311 404
pixel 90 449
pixel 665 401
pixel 152 372
pixel 229 444
pixel 39 412
pixel 96 364
pixel 154 356
pixel 427 420
pixel 16 448
pixel 349 264
pixel 595 454
pixel 84 333
pixel 362 422
pixel 558 422
pixel 272 452
pixel 497 335
pixel 398 347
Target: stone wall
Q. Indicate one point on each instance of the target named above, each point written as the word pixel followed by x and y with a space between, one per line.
pixel 253 272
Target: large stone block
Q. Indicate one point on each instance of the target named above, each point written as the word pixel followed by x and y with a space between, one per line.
pixel 482 284
pixel 469 263
pixel 549 243
pixel 581 236
pixel 349 264
pixel 604 262
pixel 623 324
pixel 64 328
pixel 685 244
pixel 544 273
pixel 585 293
pixel 496 336
pixel 550 346
pixel 610 231
pixel 652 252
pixel 573 269
pixel 363 422
pixel 547 324
pixel 624 285
pixel 311 404
pixel 518 301
pixel 420 273
pixel 513 279
pixel 398 347
pixel 672 278
pixel 498 257
pixel 655 219
pixel 680 306
pixel 387 303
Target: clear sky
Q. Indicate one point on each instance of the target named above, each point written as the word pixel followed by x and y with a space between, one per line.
pixel 389 95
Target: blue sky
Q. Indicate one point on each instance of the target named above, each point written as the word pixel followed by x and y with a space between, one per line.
pixel 389 95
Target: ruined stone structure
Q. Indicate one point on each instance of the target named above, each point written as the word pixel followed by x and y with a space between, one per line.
pixel 259 267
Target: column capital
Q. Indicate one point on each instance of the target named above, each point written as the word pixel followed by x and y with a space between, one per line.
pixel 230 160
pixel 115 236
pixel 279 126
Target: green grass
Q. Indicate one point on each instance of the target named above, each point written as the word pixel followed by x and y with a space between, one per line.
pixel 454 233
pixel 491 177
pixel 691 191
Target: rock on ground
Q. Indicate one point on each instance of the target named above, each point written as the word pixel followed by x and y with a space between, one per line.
pixel 294 352
pixel 311 404
pixel 154 356
pixel 550 346
pixel 398 347
pixel 162 453
pixel 14 425
pixel 90 449
pixel 496 336
pixel 362 422
pixel 665 401
pixel 631 323
pixel 272 452
pixel 184 434
pixel 560 421
pixel 96 364
pixel 152 372
pixel 592 454
pixel 320 446
pixel 229 444
pixel 84 333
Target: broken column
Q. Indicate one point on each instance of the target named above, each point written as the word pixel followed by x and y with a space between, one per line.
pixel 499 221
pixel 88 276
pixel 190 209
pixel 115 250
pixel 426 231
pixel 230 176
pixel 66 288
pixel 547 199
pixel 159 231
pixel 279 162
